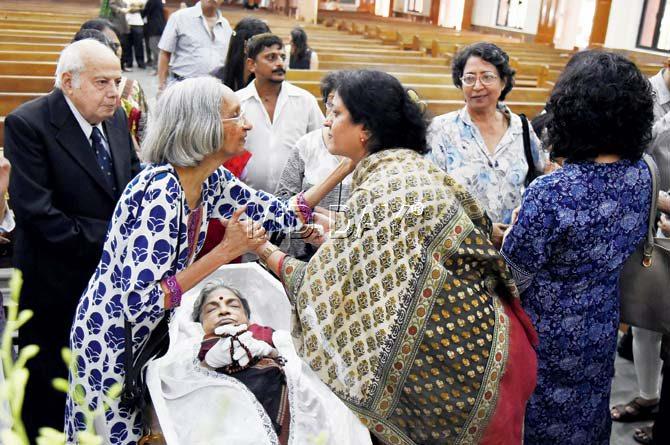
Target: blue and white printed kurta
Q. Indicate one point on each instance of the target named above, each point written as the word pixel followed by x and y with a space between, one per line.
pixel 142 242
pixel 495 179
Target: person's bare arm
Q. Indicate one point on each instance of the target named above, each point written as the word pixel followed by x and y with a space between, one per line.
pixel 163 67
pixel 316 193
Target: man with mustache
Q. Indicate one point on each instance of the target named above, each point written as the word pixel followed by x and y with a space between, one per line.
pixel 281 113
pixel 72 156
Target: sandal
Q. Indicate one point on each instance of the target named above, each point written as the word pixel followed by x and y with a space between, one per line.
pixel 644 435
pixel 633 411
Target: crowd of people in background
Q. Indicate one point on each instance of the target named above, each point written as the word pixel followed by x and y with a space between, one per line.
pixel 474 293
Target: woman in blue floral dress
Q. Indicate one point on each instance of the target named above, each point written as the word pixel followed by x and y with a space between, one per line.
pixel 158 227
pixel 575 229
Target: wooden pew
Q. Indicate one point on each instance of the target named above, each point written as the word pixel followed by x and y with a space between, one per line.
pixel 9 101
pixel 48 15
pixel 18 24
pixel 26 83
pixel 440 91
pixel 372 58
pixel 388 67
pixel 449 47
pixel 26 37
pixel 409 77
pixel 35 47
pixel 530 109
pixel 14 67
pixel 33 56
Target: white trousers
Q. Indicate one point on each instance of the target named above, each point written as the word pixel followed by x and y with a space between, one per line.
pixel 648 363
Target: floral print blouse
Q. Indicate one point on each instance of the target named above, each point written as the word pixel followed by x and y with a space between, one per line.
pixel 495 179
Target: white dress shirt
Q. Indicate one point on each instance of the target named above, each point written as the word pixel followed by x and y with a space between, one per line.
pixel 271 140
pixel 86 127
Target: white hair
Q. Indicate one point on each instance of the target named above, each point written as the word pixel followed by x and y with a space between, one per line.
pixel 71 59
pixel 185 125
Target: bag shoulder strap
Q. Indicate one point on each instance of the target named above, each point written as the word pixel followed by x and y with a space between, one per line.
pixel 653 208
pixel 133 366
pixel 532 174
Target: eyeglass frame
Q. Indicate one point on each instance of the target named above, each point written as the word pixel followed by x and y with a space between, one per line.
pixel 480 79
pixel 236 119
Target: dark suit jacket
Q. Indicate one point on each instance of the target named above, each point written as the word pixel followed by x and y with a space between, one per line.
pixel 153 11
pixel 62 204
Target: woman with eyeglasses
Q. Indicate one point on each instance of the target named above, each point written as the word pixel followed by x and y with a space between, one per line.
pixel 482 145
pixel 308 164
pixel 406 311
pixel 157 230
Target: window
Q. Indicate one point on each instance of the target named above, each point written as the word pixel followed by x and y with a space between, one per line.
pixel 512 13
pixel 414 6
pixel 654 30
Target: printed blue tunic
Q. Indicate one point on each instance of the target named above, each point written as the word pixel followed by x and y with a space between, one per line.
pixel 576 228
pixel 147 232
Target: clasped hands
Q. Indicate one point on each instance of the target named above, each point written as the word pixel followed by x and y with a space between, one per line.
pixel 244 236
pixel 237 346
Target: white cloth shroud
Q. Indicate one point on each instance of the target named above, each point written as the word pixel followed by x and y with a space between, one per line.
pixel 196 406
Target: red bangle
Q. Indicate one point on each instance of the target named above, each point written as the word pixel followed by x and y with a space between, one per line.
pixel 280 268
pixel 174 290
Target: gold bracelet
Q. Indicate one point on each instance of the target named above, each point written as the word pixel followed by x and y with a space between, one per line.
pixel 266 252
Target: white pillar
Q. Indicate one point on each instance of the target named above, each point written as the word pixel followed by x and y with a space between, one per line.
pixel 382 7
pixel 308 10
pixel 451 14
pixel 574 23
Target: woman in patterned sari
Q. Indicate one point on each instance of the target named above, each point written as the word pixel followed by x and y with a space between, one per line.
pixel 407 312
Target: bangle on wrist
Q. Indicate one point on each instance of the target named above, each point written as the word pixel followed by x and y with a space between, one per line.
pixel 266 252
pixel 174 291
pixel 304 208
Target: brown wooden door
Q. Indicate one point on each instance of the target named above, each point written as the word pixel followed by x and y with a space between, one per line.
pixel 367 6
pixel 467 14
pixel 435 11
pixel 601 19
pixel 547 25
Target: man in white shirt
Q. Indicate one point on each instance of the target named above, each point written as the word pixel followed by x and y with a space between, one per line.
pixel 135 38
pixel 194 42
pixel 281 113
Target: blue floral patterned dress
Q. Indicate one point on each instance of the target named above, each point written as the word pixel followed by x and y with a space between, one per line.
pixel 150 228
pixel 576 228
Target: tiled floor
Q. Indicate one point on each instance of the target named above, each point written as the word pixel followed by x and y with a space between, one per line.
pixel 624 386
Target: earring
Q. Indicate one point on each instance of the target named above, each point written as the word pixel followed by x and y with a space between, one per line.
pixel 362 140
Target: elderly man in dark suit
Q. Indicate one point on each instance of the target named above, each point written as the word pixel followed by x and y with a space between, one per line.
pixel 72 157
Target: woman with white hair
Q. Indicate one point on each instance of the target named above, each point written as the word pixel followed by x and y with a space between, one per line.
pixel 158 227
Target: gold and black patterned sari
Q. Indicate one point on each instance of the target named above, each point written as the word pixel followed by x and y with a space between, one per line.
pixel 405 312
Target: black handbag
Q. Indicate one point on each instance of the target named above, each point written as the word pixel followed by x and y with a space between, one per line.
pixel 644 283
pixel 134 393
pixel 532 171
